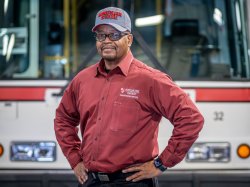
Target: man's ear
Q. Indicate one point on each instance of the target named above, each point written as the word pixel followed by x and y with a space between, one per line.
pixel 130 40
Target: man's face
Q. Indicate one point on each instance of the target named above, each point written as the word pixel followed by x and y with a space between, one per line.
pixel 113 51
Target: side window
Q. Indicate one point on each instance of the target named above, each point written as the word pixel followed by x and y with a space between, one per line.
pixel 33 43
pixel 66 40
pixel 247 8
pixel 54 38
pixel 14 54
pixel 193 40
pixel 243 66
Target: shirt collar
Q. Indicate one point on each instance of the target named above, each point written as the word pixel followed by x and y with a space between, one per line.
pixel 124 65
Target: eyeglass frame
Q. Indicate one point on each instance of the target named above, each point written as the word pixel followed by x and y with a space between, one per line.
pixel 121 34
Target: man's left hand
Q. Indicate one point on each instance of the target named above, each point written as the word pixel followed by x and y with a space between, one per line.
pixel 143 171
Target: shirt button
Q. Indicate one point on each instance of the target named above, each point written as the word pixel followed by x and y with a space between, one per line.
pixel 102 98
pixel 99 119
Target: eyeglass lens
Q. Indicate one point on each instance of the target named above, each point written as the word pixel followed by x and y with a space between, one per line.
pixel 112 36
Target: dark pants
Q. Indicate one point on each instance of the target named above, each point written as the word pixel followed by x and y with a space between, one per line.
pixel 120 181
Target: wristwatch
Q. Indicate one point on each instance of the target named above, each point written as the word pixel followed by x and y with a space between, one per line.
pixel 158 164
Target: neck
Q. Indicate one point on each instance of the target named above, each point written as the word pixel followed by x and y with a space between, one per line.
pixel 110 65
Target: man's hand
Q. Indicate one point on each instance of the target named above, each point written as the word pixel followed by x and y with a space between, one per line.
pixel 143 171
pixel 81 172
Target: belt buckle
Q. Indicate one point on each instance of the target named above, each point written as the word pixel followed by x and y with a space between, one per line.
pixel 103 177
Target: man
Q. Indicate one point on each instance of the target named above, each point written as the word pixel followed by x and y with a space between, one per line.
pixel 118 104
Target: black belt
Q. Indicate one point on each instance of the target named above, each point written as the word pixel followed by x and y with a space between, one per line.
pixel 109 177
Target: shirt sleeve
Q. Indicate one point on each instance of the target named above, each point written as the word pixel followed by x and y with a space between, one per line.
pixel 174 104
pixel 65 126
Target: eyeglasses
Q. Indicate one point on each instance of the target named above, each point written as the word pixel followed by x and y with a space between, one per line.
pixel 112 36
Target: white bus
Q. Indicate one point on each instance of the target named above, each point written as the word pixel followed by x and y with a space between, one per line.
pixel 202 44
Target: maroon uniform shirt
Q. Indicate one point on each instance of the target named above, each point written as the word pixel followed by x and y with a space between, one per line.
pixel 119 115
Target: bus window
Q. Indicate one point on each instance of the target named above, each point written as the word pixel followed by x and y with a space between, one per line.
pixel 54 41
pixel 189 40
pixel 192 41
pixel 14 58
pixel 65 37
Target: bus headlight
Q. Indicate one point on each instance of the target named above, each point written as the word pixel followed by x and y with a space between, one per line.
pixel 33 151
pixel 209 152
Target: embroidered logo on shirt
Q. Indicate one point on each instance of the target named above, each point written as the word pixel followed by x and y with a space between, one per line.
pixel 131 93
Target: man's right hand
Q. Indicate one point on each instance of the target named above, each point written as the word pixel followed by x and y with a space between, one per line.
pixel 81 172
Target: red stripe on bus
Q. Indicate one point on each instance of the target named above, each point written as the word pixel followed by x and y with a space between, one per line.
pixel 222 94
pixel 202 94
pixel 22 94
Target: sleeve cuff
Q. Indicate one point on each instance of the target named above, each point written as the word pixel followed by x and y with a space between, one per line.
pixel 74 159
pixel 169 161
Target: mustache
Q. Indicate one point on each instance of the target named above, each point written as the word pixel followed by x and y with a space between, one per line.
pixel 107 46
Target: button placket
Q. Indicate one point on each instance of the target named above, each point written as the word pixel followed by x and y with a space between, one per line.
pixel 101 110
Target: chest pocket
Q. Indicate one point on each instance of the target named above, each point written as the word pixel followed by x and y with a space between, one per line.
pixel 124 117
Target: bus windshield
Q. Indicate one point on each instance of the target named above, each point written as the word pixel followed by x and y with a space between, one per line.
pixel 188 39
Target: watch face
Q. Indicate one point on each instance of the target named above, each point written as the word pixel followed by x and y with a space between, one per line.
pixel 158 164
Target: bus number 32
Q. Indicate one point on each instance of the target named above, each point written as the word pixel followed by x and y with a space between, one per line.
pixel 218 116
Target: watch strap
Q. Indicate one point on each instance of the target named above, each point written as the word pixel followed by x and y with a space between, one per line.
pixel 158 164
